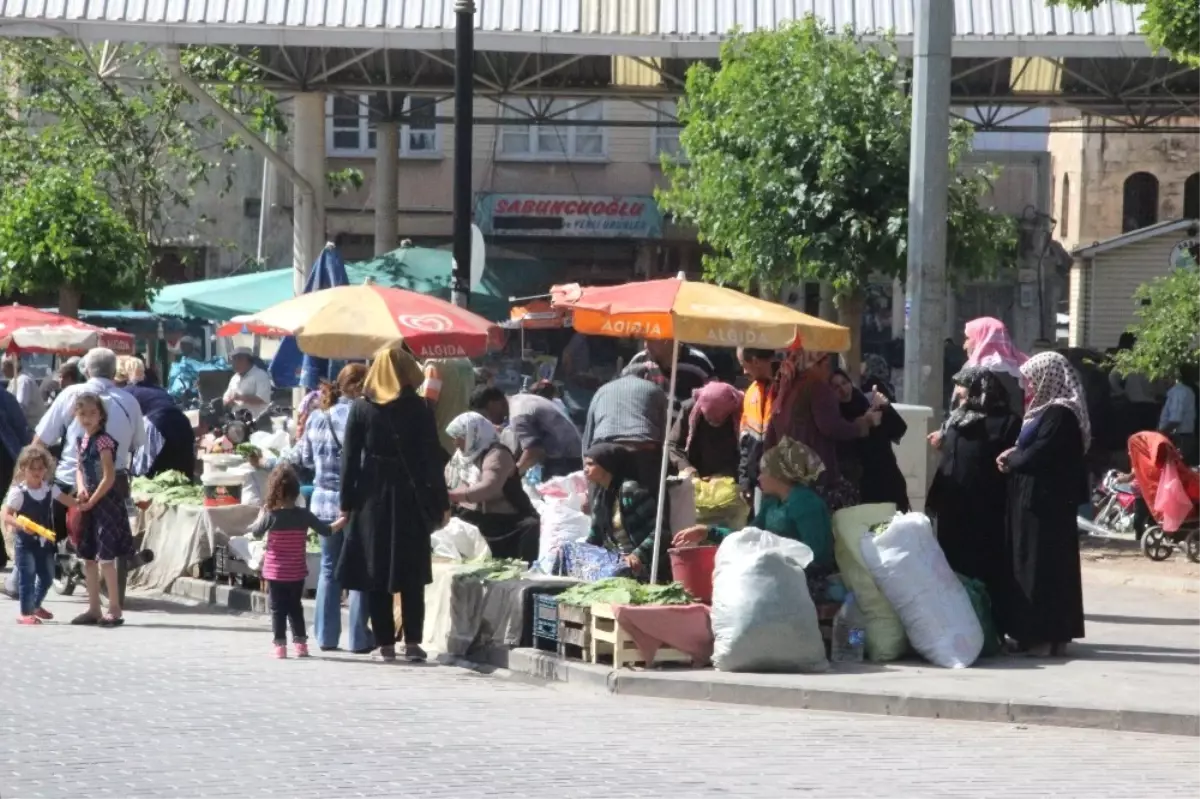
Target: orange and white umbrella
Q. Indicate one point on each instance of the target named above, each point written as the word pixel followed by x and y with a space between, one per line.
pixel 31 330
pixel 355 322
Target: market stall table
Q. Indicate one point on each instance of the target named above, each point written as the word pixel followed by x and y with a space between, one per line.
pixel 184 536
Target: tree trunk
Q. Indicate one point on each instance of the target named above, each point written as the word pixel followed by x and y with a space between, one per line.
pixel 68 301
pixel 850 314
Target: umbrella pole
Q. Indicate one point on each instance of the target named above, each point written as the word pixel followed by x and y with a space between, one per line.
pixel 662 475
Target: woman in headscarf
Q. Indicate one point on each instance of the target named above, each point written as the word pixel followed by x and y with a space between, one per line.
pixel 870 463
pixel 989 346
pixel 1042 608
pixel 877 377
pixel 624 510
pixel 807 410
pixel 790 508
pixel 393 496
pixel 967 498
pixel 495 502
pixel 706 432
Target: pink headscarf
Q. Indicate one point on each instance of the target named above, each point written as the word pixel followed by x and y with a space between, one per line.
pixel 716 402
pixel 994 349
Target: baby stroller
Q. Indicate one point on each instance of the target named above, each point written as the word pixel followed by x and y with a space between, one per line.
pixel 1170 496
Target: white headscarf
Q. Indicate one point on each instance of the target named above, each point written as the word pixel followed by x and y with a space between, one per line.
pixel 1052 381
pixel 475 430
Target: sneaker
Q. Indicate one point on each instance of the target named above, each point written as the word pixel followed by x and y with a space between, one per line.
pixel 43 614
pixel 413 653
pixel 301 650
pixel 280 652
pixel 31 619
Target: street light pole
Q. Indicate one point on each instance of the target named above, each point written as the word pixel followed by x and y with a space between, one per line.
pixel 928 184
pixel 464 101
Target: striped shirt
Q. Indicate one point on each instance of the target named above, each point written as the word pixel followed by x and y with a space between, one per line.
pixel 285 560
pixel 626 409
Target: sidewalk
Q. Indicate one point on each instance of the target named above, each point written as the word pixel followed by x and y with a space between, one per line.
pixel 1137 670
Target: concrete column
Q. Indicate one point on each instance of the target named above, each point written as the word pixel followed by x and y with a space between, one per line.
pixel 308 156
pixel 929 178
pixel 951 327
pixel 387 189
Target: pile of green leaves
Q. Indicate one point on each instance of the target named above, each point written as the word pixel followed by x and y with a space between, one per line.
pixel 624 591
pixel 169 488
pixel 313 544
pixel 248 451
pixel 495 570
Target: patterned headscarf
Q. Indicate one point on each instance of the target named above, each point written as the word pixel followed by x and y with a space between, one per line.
pixel 476 431
pixel 877 372
pixel 993 347
pixel 716 402
pixel 791 461
pixel 984 393
pixel 1053 381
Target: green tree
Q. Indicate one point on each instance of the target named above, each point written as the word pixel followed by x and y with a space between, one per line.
pixel 114 111
pixel 58 229
pixel 1173 25
pixel 1167 328
pixel 797 167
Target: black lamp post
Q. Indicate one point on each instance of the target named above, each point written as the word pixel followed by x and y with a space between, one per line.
pixel 464 101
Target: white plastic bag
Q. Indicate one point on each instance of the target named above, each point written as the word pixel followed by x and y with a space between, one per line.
pixel 911 571
pixel 572 489
pixel 561 524
pixel 763 617
pixel 459 541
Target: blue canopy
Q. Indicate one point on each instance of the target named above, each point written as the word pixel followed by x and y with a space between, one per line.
pixel 290 367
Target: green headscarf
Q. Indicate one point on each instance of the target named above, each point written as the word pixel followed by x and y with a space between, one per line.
pixel 791 461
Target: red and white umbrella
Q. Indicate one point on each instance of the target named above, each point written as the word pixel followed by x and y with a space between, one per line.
pixel 30 330
pixel 353 322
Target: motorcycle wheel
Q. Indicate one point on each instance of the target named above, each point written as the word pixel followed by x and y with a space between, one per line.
pixel 1156 545
pixel 63 584
pixel 1191 546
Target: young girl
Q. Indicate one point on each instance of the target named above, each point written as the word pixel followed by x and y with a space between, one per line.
pixel 106 535
pixel 285 565
pixel 31 496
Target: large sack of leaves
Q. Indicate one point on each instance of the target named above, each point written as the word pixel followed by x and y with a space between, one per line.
pixel 911 571
pixel 763 617
pixel 886 640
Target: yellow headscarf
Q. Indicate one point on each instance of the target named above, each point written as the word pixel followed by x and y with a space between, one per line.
pixel 791 461
pixel 392 370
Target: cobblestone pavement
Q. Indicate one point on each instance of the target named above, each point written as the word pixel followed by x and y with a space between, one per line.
pixel 182 703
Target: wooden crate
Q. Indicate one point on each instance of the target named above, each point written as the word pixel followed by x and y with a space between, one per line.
pixel 574 632
pixel 608 640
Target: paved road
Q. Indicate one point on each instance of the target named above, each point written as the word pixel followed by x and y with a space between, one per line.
pixel 180 703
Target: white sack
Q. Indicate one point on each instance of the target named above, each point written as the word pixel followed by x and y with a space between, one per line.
pixel 459 541
pixel 911 571
pixel 763 617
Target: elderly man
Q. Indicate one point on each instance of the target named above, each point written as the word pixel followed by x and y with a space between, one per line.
pixel 250 387
pixel 125 425
pixel 538 432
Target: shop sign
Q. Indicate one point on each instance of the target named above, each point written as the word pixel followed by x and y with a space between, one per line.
pixel 590 216
pixel 1184 253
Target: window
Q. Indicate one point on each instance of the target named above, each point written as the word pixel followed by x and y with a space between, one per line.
pixel 350 126
pixel 1191 196
pixel 550 141
pixel 1140 203
pixel 665 140
pixel 1064 215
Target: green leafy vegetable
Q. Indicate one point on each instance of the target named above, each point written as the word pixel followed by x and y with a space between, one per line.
pixel 248 451
pixel 625 591
pixel 169 488
pixel 495 570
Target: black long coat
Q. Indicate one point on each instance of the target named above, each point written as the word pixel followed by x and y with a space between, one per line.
pixel 1047 484
pixel 391 461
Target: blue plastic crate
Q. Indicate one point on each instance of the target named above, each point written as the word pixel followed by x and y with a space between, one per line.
pixel 545 619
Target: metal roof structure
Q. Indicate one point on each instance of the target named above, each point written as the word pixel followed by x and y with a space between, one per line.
pixel 1009 55
pixel 649 28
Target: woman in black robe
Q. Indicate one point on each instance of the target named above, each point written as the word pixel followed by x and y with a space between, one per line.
pixel 869 463
pixel 1042 610
pixel 968 495
pixel 393 497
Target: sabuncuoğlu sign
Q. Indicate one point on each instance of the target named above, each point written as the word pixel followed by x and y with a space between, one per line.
pixel 591 216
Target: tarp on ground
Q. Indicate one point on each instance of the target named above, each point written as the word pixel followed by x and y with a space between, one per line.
pixel 414 268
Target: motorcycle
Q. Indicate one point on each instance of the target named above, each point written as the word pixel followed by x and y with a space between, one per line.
pixel 1114 508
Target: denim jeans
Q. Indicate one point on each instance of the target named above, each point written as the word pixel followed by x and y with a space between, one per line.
pixel 328 626
pixel 35 572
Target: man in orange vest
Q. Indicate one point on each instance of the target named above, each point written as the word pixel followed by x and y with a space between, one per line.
pixel 760 367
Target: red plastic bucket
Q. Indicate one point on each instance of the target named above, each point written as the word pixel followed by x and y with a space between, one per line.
pixel 693 568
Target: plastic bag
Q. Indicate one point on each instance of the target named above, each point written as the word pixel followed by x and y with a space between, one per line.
pixel 981 601
pixel 459 541
pixel 1171 502
pixel 911 571
pixel 719 502
pixel 560 524
pixel 763 617
pixel 572 489
pixel 886 640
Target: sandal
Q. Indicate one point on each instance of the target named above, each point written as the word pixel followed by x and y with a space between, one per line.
pixel 108 620
pixel 86 619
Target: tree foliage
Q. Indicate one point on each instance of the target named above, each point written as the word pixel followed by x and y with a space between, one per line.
pixel 60 230
pixel 1168 326
pixel 1173 25
pixel 797 165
